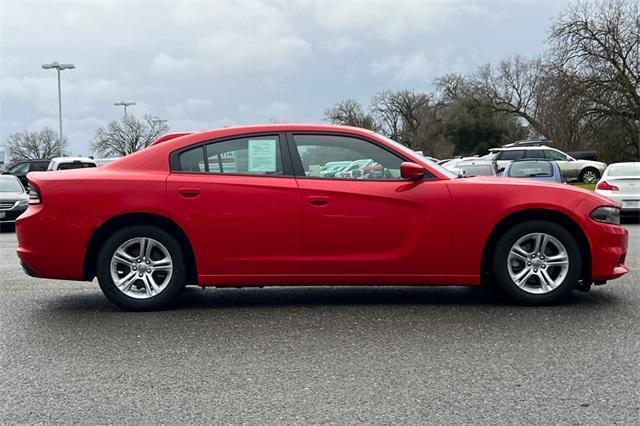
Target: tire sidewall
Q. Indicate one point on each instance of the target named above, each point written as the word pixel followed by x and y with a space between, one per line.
pixel 515 293
pixel 103 269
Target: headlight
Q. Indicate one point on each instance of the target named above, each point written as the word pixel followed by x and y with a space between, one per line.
pixel 23 203
pixel 606 214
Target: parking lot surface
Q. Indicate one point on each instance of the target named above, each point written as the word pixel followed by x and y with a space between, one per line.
pixel 317 355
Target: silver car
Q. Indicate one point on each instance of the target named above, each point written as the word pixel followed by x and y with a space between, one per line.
pixel 572 169
pixel 621 183
pixel 14 200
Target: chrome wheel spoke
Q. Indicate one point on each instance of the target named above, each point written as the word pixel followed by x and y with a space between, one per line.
pixel 124 257
pixel 522 278
pixel 519 253
pixel 546 282
pixel 124 284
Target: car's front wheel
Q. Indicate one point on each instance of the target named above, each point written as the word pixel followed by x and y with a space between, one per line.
pixel 537 262
pixel 141 268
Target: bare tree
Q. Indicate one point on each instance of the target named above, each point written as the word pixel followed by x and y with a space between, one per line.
pixel 350 113
pixel 513 87
pixel 42 144
pixel 598 45
pixel 120 138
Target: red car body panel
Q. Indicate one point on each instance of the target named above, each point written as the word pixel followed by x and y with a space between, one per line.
pixel 280 230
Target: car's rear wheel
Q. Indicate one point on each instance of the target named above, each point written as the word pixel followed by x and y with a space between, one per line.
pixel 589 175
pixel 141 268
pixel 537 262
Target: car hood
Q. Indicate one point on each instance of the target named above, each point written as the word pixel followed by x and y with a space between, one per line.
pixel 13 196
pixel 538 184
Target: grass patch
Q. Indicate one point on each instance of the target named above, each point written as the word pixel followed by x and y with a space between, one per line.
pixel 589 186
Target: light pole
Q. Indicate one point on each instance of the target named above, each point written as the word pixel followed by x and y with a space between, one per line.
pixel 124 104
pixel 159 120
pixel 59 67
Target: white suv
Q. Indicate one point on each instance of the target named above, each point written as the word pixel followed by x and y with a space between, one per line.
pixel 582 170
pixel 67 163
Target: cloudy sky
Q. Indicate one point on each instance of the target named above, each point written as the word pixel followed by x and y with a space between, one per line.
pixel 205 64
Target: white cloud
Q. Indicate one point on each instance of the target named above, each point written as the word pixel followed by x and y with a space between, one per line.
pixel 190 106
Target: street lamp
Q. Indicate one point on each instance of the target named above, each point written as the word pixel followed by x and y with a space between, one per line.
pixel 159 120
pixel 124 104
pixel 59 67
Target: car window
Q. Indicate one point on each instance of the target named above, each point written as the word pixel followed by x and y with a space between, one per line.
pixel 10 185
pixel 531 169
pixel 75 165
pixel 39 167
pixel 511 155
pixel 624 170
pixel 366 160
pixel 192 160
pixel 535 153
pixel 258 155
pixel 554 155
pixel 19 169
pixel 254 156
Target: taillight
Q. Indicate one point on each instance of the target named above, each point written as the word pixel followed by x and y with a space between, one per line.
pixel 605 186
pixel 34 195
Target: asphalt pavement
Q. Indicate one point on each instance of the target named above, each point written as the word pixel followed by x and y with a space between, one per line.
pixel 317 355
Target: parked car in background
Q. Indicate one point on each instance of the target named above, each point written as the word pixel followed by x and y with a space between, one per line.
pixel 354 166
pixel 104 161
pixel 21 169
pixel 452 164
pixel 476 167
pixel 14 199
pixel 272 221
pixel 572 169
pixel 534 169
pixel 68 163
pixel 621 183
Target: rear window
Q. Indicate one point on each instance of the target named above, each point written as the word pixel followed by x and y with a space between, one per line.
pixel 78 165
pixel 624 170
pixel 531 169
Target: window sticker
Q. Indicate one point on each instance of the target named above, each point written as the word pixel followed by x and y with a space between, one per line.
pixel 262 155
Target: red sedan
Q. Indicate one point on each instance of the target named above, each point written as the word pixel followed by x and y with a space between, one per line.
pixel 248 206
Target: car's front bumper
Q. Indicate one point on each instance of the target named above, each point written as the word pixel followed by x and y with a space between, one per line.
pixel 608 251
pixel 10 216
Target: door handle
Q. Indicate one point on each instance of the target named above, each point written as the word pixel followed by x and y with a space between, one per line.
pixel 189 192
pixel 318 200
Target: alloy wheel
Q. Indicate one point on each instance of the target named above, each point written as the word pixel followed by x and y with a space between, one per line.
pixel 589 176
pixel 538 263
pixel 141 268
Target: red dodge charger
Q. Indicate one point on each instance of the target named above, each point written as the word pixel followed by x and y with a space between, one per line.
pixel 250 206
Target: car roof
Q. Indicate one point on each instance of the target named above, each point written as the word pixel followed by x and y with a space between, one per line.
pixel 522 148
pixel 72 159
pixel 9 177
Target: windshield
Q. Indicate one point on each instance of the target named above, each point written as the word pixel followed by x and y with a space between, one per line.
pixel 408 150
pixel 10 185
pixel 630 169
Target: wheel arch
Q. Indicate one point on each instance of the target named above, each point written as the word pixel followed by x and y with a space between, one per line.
pixel 116 223
pixel 536 214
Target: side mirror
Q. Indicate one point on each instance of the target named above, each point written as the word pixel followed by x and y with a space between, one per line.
pixel 412 171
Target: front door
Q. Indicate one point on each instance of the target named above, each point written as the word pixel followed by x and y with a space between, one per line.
pixel 370 224
pixel 240 206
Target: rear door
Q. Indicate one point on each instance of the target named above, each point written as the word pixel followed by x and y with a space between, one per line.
pixel 374 227
pixel 239 203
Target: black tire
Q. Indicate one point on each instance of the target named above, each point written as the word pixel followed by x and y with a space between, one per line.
pixel 159 301
pixel 581 177
pixel 508 287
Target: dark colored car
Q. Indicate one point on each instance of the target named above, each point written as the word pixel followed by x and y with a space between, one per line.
pixel 14 200
pixel 21 169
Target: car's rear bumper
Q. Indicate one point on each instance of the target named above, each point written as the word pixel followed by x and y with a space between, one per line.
pixel 51 242
pixel 608 251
